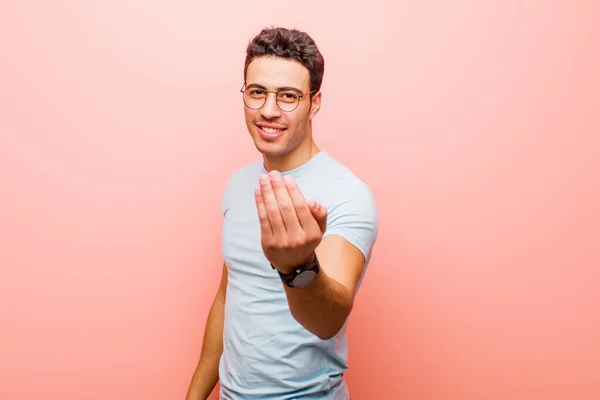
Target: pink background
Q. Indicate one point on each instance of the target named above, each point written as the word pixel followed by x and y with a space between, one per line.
pixel 473 121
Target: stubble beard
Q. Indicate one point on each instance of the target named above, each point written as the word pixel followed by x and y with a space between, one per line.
pixel 275 149
pixel 292 141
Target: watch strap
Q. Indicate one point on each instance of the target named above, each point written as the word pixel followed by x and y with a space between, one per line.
pixel 289 279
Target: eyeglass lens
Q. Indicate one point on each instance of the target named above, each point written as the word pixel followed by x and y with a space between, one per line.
pixel 255 98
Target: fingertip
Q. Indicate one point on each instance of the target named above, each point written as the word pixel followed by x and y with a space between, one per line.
pixel 288 181
pixel 321 210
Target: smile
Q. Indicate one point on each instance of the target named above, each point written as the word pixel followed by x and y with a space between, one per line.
pixel 272 130
pixel 270 133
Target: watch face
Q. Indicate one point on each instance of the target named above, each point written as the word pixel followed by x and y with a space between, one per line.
pixel 304 279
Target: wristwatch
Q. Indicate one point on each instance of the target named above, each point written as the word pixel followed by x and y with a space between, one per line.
pixel 302 276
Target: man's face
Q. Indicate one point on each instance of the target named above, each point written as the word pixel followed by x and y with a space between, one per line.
pixel 276 132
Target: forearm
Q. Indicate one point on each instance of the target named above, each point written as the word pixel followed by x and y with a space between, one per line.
pixel 322 307
pixel 206 375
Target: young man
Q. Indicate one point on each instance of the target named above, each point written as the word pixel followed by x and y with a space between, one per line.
pixel 298 232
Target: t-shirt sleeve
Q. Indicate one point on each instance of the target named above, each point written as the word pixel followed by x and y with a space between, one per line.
pixel 227 196
pixel 355 218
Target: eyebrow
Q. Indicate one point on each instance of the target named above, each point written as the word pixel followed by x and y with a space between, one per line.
pixel 256 85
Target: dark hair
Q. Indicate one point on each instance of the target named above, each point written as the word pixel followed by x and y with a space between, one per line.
pixel 291 44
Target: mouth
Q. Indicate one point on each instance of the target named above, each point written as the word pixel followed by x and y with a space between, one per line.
pixel 270 132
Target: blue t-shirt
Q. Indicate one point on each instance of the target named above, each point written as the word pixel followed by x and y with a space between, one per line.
pixel 267 354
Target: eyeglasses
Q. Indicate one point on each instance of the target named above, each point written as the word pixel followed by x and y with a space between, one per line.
pixel 287 99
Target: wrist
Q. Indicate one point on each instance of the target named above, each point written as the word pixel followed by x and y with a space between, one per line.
pixel 290 268
pixel 301 275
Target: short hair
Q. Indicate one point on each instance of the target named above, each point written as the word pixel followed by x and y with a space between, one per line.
pixel 289 44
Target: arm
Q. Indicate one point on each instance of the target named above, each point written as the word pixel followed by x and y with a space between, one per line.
pixel 294 230
pixel 323 307
pixel 206 375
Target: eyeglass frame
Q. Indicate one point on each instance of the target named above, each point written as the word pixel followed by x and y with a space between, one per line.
pixel 298 91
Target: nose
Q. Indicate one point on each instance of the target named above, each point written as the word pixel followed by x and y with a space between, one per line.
pixel 270 109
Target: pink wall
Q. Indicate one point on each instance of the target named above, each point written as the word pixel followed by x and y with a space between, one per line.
pixel 121 121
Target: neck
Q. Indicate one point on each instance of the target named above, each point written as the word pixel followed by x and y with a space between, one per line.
pixel 299 156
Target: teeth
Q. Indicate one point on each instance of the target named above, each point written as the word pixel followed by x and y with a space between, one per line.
pixel 271 130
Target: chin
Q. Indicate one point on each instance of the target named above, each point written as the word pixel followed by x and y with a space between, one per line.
pixel 271 149
pixel 276 148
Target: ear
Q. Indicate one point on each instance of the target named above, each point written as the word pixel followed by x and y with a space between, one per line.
pixel 315 105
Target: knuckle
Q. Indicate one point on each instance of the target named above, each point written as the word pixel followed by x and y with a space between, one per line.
pixel 297 242
pixel 301 208
pixel 313 237
pixel 302 238
pixel 287 207
pixel 272 212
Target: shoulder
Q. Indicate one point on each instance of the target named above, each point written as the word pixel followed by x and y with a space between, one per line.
pixel 344 187
pixel 351 206
pixel 241 182
pixel 245 172
pixel 336 171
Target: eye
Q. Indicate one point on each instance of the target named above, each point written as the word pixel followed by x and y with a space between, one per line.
pixel 257 92
pixel 288 97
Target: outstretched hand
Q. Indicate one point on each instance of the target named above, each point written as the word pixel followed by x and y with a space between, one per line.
pixel 291 228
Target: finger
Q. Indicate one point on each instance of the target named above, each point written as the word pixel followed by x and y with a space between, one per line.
pixel 265 225
pixel 272 207
pixel 286 205
pixel 303 212
pixel 319 212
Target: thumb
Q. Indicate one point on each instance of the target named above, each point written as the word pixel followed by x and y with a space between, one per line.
pixel 319 212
